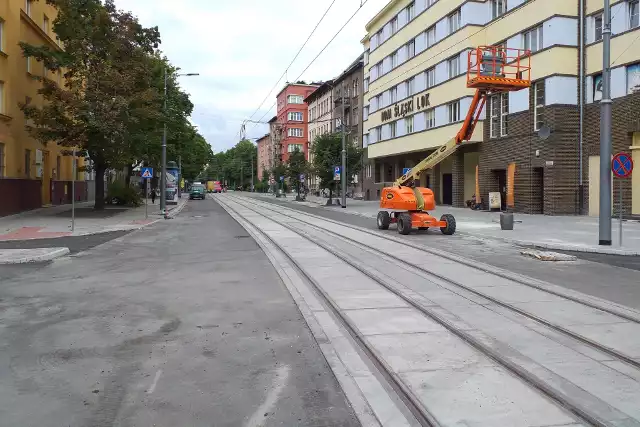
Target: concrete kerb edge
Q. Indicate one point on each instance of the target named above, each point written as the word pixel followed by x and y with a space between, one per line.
pixel 354 395
pixel 176 211
pixel 49 256
pixel 513 276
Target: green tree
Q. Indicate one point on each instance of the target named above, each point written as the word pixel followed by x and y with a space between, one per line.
pixel 105 95
pixel 327 153
pixel 234 165
pixel 296 164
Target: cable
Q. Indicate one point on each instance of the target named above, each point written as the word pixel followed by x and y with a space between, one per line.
pixel 294 58
pixel 484 28
pixel 623 52
pixel 320 53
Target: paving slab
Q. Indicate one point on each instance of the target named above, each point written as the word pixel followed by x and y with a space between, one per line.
pixel 392 321
pixel 23 256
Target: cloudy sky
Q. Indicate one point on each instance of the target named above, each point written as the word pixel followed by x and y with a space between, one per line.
pixel 241 48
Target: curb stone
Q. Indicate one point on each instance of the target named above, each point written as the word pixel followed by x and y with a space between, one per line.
pixel 23 256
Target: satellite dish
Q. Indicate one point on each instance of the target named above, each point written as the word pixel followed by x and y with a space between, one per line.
pixel 544 132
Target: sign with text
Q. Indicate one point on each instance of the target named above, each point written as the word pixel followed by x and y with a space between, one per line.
pixel 408 106
pixel 336 173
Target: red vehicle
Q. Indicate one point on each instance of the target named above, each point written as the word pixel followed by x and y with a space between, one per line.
pixel 217 188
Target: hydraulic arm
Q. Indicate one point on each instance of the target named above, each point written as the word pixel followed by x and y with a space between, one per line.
pixel 465 133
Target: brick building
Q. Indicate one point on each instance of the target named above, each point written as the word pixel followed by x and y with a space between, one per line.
pixel 418 48
pixel 292 116
pixel 265 155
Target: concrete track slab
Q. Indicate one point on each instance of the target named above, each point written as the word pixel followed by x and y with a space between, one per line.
pixel 392 321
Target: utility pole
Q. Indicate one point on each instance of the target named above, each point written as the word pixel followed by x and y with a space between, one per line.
pixel 163 176
pixel 344 153
pixel 179 176
pixel 241 175
pixel 605 131
pixel 252 172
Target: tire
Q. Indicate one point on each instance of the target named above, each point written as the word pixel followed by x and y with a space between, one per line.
pixel 451 224
pixel 383 220
pixel 404 223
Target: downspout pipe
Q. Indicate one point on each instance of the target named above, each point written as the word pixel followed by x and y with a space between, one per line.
pixel 581 98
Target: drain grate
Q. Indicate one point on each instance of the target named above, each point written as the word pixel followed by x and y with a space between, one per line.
pixel 241 237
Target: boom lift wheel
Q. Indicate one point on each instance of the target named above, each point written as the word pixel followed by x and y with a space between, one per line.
pixel 404 223
pixel 384 219
pixel 451 224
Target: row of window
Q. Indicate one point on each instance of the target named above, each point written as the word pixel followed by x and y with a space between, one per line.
pixel 424 40
pixel 404 17
pixel 633 19
pixel 295 116
pixel 294 147
pixel 295 99
pixel 319 110
pixel 295 132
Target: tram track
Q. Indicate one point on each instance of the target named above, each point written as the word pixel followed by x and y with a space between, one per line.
pixel 424 416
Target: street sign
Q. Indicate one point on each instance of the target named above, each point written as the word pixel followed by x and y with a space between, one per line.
pixel 336 173
pixel 146 173
pixel 282 178
pixel 302 177
pixel 622 165
pixel 406 171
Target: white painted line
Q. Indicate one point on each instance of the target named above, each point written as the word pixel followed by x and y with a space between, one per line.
pixel 280 380
pixel 155 382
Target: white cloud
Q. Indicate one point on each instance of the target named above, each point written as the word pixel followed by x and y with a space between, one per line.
pixel 240 48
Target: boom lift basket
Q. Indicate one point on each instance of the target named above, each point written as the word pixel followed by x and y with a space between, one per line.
pixel 498 69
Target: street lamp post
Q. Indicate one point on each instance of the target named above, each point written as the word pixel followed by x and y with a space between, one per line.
pixel 163 176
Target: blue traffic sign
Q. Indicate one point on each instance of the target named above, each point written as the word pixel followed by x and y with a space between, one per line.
pixel 146 173
pixel 622 165
pixel 302 177
pixel 406 171
pixel 336 169
pixel 336 173
pixel 282 178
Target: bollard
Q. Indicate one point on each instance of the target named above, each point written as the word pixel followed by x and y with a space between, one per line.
pixel 506 221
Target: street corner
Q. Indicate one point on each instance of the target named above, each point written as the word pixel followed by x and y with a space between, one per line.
pixel 23 256
pixel 31 233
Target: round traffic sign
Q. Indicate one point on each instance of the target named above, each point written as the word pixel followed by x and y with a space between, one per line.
pixel 622 165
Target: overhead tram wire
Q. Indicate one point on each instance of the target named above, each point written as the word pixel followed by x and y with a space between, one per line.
pixel 318 55
pixel 294 58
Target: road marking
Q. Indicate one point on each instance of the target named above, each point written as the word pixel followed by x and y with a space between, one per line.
pixel 259 418
pixel 155 382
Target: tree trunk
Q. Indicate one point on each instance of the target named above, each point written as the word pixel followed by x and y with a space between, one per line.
pixel 127 178
pixel 100 170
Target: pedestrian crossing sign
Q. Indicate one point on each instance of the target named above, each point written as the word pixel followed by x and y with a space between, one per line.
pixel 147 173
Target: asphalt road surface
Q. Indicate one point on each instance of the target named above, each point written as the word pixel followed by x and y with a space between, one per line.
pixel 185 323
pixel 614 278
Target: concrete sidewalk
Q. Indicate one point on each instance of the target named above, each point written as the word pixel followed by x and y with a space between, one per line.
pixel 569 233
pixel 56 221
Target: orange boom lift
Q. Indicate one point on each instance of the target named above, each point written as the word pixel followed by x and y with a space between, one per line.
pixel 491 69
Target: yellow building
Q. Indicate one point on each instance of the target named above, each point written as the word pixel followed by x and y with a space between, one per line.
pixel 418 49
pixel 29 171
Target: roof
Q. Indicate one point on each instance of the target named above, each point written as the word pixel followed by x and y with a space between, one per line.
pixel 263 137
pixel 273 119
pixel 380 14
pixel 324 88
pixel 295 84
pixel 358 63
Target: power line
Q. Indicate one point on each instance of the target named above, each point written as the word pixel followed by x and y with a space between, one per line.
pixel 623 52
pixel 318 55
pixel 294 58
pixel 484 28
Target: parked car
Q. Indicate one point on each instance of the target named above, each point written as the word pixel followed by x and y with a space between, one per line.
pixel 197 192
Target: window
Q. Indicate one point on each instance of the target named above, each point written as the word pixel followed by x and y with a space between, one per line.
pixel 597 87
pixel 366 84
pixel 494 120
pixel 297 132
pixel 355 87
pixel 365 112
pixel 379 37
pixel 1 160
pixel 431 2
pixel 538 105
pixel 498 8
pixel 453 65
pixel 28 59
pixel 45 24
pixel 1 35
pixel 378 133
pixel 379 67
pixel 393 129
pixel 295 99
pixel 430 77
pixel 295 116
pixel 634 14
pixel 294 147
pixel 1 97
pixel 533 39
pixel 393 94
pixel 27 7
pixel 379 101
pixel 633 78
pixel 504 114
pixel 453 110
pixel 598 25
pixel 430 118
pixel 454 21
pixel 411 49
pixel 394 59
pixel 431 36
pixel 408 124
pixel 411 84
pixel 411 11
pixel 394 25
pixel 27 163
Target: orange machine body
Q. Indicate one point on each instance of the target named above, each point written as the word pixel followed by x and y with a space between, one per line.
pixel 404 199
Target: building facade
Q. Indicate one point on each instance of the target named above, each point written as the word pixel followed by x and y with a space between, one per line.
pixel 347 91
pixel 31 174
pixel 265 156
pixel 321 116
pixel 292 115
pixel 417 51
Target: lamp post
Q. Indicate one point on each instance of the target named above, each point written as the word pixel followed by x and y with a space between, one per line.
pixel 163 176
